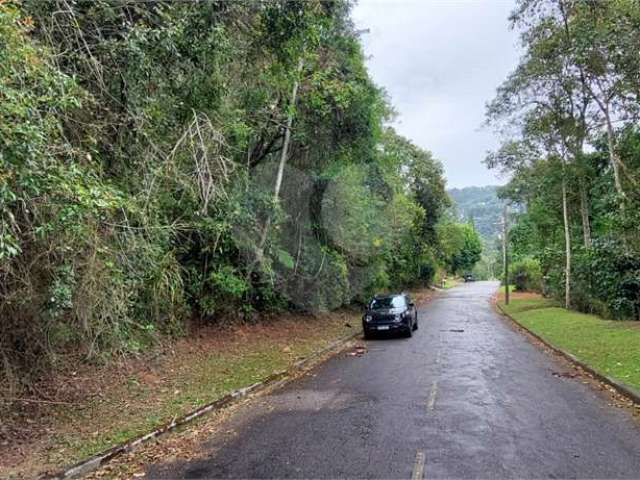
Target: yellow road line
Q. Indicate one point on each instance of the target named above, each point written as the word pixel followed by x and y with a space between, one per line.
pixel 418 466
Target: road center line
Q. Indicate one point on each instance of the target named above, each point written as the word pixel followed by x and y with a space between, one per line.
pixel 431 403
pixel 439 350
pixel 418 466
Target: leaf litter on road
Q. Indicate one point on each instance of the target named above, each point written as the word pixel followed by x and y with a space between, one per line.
pixel 358 351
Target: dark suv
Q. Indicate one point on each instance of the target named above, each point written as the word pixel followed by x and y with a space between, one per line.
pixel 390 313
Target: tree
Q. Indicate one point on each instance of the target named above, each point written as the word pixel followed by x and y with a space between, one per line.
pixel 575 85
pixel 163 161
pixel 598 39
pixel 547 97
pixel 461 246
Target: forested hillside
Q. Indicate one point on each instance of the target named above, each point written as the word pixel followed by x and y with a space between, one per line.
pixel 169 161
pixel 480 206
pixel 569 117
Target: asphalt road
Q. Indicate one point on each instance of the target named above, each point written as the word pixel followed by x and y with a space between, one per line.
pixel 466 397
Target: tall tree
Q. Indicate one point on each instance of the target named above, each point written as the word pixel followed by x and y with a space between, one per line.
pixel 576 84
pixel 550 107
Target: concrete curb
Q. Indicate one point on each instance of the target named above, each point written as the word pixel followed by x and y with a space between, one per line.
pixel 629 392
pixel 92 463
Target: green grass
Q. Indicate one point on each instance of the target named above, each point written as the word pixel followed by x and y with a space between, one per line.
pixel 502 289
pixel 193 375
pixel 608 346
pixel 211 377
pixel 214 377
pixel 452 282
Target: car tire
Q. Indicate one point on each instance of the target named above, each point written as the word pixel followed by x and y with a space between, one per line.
pixel 408 332
pixel 367 335
pixel 415 324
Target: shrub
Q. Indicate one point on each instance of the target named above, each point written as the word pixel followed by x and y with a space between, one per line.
pixel 609 275
pixel 526 275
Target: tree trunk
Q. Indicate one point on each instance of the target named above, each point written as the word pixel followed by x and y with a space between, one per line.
pixel 567 243
pixel 505 252
pixel 287 135
pixel 584 212
pixel 613 156
pixel 281 165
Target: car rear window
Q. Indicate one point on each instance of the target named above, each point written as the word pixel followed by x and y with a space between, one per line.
pixel 387 302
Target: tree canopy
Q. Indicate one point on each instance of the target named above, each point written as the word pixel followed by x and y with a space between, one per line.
pixel 568 117
pixel 164 162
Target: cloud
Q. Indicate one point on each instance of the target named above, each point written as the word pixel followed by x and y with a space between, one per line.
pixel 440 61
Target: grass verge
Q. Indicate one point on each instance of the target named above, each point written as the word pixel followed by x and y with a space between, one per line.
pixel 128 399
pixel 91 408
pixel 608 346
pixel 452 282
pixel 501 290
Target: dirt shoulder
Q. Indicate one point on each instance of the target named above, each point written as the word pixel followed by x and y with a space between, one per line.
pixel 93 408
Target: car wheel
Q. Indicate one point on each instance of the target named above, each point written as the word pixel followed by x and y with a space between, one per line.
pixel 415 324
pixel 367 335
pixel 409 332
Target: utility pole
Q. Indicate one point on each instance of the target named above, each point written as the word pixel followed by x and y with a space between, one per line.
pixel 505 253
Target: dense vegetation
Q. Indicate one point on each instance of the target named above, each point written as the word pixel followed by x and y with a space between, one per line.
pixel 169 161
pixel 481 207
pixel 568 114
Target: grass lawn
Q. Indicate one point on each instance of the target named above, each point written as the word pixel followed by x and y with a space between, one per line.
pixel 608 346
pixel 502 289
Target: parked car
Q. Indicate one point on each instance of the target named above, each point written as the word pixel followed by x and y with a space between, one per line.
pixel 390 313
pixel 469 277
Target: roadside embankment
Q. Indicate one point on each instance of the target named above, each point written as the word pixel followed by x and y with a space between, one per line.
pixel 94 408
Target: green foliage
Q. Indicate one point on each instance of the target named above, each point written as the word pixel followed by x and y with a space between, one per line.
pixel 227 287
pixel 608 279
pixel 481 207
pixel 570 107
pixel 461 246
pixel 141 142
pixel 526 275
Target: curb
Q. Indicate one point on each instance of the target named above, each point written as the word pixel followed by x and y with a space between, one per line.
pixel 98 460
pixel 622 388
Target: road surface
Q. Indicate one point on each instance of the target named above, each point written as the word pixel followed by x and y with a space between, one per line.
pixel 466 397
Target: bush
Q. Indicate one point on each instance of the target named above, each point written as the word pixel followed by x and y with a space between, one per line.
pixel 526 275
pixel 609 276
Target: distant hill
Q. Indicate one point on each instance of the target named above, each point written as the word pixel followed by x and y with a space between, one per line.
pixel 480 205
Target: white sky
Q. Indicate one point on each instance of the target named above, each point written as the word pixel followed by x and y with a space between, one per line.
pixel 441 61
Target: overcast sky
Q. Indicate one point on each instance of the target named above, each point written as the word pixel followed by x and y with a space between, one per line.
pixel 440 61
